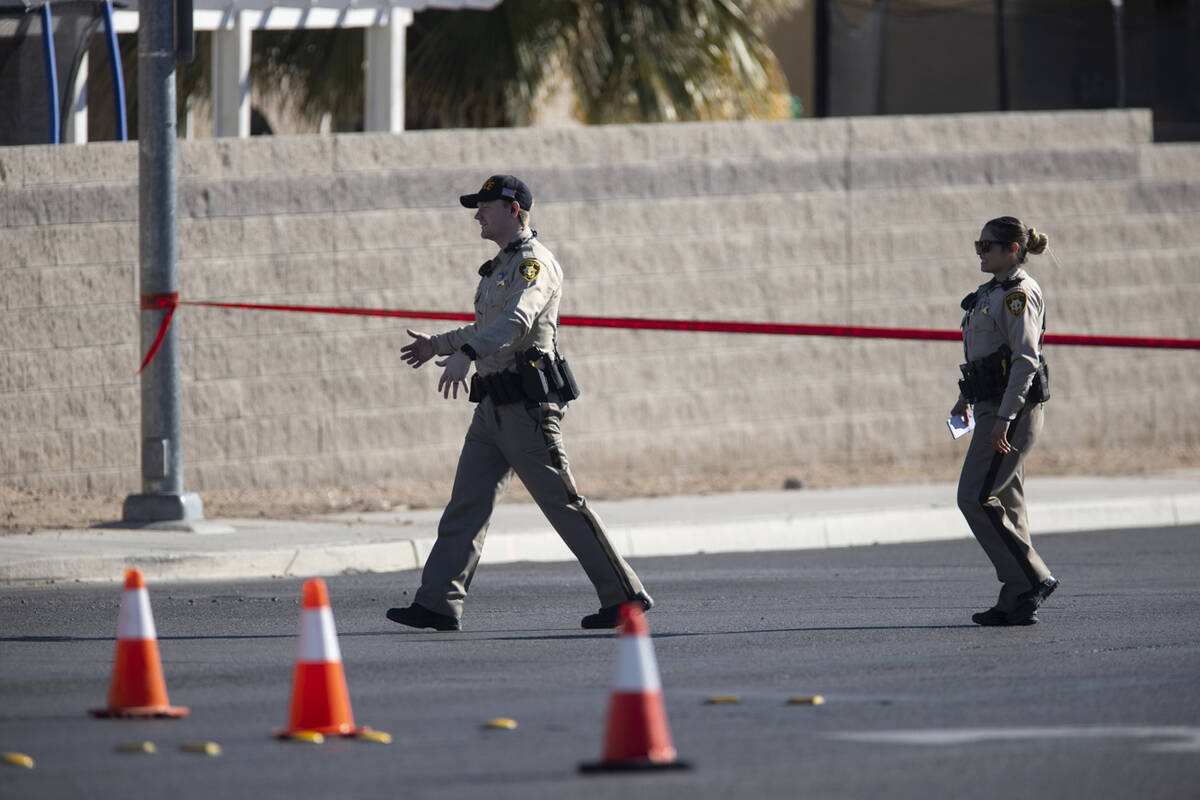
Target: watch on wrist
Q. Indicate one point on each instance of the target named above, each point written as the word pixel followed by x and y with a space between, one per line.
pixel 469 351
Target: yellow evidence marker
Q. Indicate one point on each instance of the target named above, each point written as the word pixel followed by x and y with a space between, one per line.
pixel 501 723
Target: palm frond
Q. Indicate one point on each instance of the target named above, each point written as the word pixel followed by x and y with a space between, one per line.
pixel 675 60
pixel 626 61
pixel 481 68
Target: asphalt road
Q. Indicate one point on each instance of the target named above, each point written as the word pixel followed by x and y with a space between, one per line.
pixel 1101 700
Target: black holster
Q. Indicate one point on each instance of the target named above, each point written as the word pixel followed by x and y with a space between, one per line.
pixel 986 379
pixel 544 374
pixel 562 380
pixel 1039 390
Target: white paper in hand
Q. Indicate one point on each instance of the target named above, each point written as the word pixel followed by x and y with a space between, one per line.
pixel 960 427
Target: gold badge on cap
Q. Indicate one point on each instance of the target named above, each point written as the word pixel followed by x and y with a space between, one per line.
pixel 530 268
pixel 1015 303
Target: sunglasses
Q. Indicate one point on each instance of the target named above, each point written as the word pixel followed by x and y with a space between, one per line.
pixel 984 245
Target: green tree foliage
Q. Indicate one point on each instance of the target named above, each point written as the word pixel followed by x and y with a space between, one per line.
pixel 623 60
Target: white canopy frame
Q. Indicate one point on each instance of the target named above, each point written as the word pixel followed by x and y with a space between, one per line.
pixel 233 21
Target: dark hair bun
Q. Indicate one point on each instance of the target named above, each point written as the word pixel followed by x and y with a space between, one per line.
pixel 1038 242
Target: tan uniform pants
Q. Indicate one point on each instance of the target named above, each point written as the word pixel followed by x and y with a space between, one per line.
pixel 991 495
pixel 525 440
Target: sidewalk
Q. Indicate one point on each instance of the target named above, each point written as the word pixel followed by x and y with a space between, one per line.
pixel 664 526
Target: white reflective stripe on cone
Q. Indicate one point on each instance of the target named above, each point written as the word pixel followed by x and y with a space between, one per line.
pixel 637 671
pixel 135 620
pixel 318 639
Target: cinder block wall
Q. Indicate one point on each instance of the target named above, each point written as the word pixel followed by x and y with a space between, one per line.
pixel 863 221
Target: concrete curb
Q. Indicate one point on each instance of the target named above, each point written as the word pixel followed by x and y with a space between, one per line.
pixel 666 526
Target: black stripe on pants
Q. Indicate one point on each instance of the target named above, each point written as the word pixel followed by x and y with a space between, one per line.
pixel 995 514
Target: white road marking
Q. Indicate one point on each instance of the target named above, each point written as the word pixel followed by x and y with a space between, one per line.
pixel 1178 738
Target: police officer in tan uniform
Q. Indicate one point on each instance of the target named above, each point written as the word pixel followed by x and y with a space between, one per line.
pixel 1005 382
pixel 522 386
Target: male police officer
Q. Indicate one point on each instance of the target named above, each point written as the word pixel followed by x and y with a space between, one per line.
pixel 522 386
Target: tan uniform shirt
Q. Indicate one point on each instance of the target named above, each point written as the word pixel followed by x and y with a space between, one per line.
pixel 516 307
pixel 1012 316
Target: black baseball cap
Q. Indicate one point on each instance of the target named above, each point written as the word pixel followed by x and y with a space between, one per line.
pixel 500 187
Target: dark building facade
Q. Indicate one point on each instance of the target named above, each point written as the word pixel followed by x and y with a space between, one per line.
pixel 945 56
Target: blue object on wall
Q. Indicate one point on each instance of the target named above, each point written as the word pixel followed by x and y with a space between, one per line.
pixel 118 78
pixel 51 71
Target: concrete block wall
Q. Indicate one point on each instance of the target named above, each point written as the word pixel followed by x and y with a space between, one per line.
pixel 863 221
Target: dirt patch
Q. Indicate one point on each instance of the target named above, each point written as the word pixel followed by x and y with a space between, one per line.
pixel 25 511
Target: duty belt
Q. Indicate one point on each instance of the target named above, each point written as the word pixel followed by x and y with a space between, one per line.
pixel 502 387
pixel 539 377
pixel 986 379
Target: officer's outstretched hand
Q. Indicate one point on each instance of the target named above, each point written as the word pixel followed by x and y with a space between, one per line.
pixel 457 366
pixel 418 351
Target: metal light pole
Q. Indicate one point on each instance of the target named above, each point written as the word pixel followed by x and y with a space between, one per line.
pixel 1002 100
pixel 881 12
pixel 162 497
pixel 821 47
pixel 1119 41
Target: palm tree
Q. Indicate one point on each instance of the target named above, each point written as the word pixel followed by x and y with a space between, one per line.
pixel 625 60
pixel 622 60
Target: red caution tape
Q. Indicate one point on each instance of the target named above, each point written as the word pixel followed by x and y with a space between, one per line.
pixel 777 328
pixel 1122 341
pixel 154 302
pixel 357 312
pixel 859 332
pixel 171 301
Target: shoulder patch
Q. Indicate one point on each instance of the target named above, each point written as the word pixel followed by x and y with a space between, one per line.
pixel 1015 303
pixel 530 268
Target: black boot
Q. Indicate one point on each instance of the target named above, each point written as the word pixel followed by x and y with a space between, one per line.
pixel 418 616
pixel 1028 603
pixel 610 616
pixel 991 617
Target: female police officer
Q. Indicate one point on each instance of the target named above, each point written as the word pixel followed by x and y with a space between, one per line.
pixel 1005 381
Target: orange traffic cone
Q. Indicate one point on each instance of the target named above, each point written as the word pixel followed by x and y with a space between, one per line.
pixel 638 737
pixel 137 689
pixel 320 700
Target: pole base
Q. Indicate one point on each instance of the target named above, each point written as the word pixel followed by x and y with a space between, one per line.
pixel 162 508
